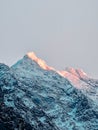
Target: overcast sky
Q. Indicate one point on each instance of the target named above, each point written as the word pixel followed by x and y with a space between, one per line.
pixel 62 32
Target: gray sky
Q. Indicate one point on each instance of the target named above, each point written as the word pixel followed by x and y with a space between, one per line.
pixel 62 32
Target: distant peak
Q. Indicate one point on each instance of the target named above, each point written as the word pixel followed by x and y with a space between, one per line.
pixel 77 72
pixel 39 61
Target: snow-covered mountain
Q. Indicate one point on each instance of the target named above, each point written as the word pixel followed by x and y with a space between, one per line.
pixel 77 77
pixel 47 99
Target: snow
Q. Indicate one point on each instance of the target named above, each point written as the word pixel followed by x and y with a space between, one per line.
pixel 42 95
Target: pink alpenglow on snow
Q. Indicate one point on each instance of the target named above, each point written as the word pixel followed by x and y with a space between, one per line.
pixel 39 61
pixel 73 75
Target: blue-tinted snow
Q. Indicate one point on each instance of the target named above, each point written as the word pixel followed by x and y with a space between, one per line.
pixel 46 100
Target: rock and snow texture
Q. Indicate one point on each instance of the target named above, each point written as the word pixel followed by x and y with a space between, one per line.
pixel 47 99
pixel 77 77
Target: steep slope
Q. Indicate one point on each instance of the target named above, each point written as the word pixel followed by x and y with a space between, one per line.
pixel 41 99
pixel 77 77
pixel 65 105
pixel 10 119
pixel 83 82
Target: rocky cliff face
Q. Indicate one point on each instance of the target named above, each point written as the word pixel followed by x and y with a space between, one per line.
pixel 10 119
pixel 36 98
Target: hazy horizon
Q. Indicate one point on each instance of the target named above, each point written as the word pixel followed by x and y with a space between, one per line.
pixel 63 33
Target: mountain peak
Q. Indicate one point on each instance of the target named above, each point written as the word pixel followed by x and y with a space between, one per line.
pixel 40 62
pixel 77 72
pixel 44 100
